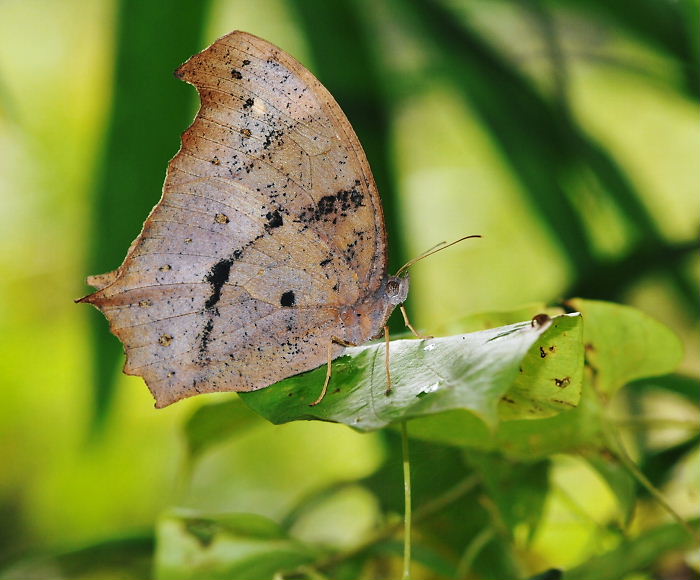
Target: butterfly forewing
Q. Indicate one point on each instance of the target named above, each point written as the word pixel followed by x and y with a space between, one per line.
pixel 269 226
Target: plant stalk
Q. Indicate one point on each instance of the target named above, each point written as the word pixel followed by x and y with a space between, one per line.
pixel 407 503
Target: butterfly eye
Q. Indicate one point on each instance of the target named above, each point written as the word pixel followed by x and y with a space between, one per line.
pixel 396 290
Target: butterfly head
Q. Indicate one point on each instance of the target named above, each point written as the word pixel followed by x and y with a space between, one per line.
pixel 396 289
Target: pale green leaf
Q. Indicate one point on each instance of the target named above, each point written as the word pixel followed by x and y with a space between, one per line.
pixel 191 546
pixel 470 372
pixel 623 344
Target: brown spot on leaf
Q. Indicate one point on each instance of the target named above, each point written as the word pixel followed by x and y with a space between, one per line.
pixel 562 402
pixel 562 383
pixel 540 319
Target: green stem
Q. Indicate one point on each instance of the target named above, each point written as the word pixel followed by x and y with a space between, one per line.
pixel 616 445
pixel 473 550
pixel 407 503
pixel 653 423
pixel 424 512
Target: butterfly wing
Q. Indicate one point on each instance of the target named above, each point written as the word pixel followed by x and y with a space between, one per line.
pixel 269 227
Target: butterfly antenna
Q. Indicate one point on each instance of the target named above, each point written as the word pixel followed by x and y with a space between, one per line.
pixel 436 248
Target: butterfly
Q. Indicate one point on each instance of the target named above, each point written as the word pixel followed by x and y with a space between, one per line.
pixel 267 253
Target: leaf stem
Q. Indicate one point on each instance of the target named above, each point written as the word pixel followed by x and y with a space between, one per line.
pixel 616 445
pixel 407 502
pixel 655 423
pixel 472 551
pixel 422 513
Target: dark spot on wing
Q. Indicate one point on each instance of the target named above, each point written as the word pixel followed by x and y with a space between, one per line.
pixel 236 74
pixel 273 134
pixel 248 103
pixel 274 219
pixel 350 252
pixel 288 299
pixel 326 205
pixel 205 336
pixel 217 277
pixel 330 207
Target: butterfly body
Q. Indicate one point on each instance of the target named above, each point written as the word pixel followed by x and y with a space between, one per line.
pixel 268 246
pixel 366 320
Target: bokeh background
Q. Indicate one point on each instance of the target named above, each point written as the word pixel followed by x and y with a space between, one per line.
pixel 566 133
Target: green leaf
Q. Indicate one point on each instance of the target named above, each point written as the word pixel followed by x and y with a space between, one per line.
pixel 231 547
pixel 551 574
pixel 623 344
pixel 422 554
pixel 656 351
pixel 550 375
pixel 524 439
pixel 682 385
pixel 535 393
pixel 519 490
pixel 659 465
pixel 435 470
pixel 633 555
pixel 118 557
pixel 618 477
pixel 211 424
pixel 470 372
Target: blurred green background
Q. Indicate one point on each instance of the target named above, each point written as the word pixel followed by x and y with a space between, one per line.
pixel 566 133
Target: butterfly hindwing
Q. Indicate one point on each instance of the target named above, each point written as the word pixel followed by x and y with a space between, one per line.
pixel 269 228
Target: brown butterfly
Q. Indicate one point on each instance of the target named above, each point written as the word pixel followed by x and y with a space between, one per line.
pixel 266 254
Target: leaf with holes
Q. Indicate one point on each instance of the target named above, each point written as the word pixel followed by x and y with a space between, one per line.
pixel 472 372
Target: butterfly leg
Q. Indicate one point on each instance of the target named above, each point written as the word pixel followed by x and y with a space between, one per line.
pixel 407 322
pixel 329 366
